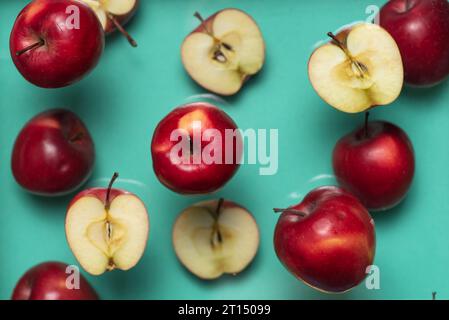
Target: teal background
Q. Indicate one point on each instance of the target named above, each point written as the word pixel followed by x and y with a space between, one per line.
pixel 132 89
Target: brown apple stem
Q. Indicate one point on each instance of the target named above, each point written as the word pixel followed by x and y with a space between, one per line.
pixel 366 124
pixel 361 68
pixel 408 5
pixel 120 28
pixel 38 44
pixel 199 17
pixel 216 234
pixel 107 205
pixel 300 213
pixel 203 23
pixel 337 42
pixel 218 53
pixel 76 137
pixel 219 205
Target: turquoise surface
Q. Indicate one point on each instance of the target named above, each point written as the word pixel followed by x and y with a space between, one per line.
pixel 132 89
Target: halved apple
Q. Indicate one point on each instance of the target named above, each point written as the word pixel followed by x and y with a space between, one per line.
pixel 215 237
pixel 360 68
pixel 107 229
pixel 114 14
pixel 224 51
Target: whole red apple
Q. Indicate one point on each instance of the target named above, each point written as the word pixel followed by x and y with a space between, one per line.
pixel 421 30
pixel 53 153
pixel 327 241
pixel 194 150
pixel 376 163
pixel 48 281
pixel 55 43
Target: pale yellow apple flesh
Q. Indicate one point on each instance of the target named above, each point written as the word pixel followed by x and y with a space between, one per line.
pixel 210 245
pixel 225 52
pixel 115 7
pixel 366 72
pixel 103 240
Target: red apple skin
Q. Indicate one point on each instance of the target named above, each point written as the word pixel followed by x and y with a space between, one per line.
pixel 99 193
pixel 68 54
pixel 47 281
pixel 330 247
pixel 377 166
pixel 193 178
pixel 53 154
pixel 122 19
pixel 421 30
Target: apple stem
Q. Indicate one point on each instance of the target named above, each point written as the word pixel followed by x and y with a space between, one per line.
pixel 108 193
pixel 218 54
pixel 199 17
pixel 300 213
pixel 216 234
pixel 76 137
pixel 38 44
pixel 337 42
pixel 120 28
pixel 366 124
pixel 361 68
pixel 219 205
pixel 408 5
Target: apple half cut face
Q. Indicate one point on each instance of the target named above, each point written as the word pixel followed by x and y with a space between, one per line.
pixel 215 237
pixel 359 69
pixel 224 51
pixel 107 229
